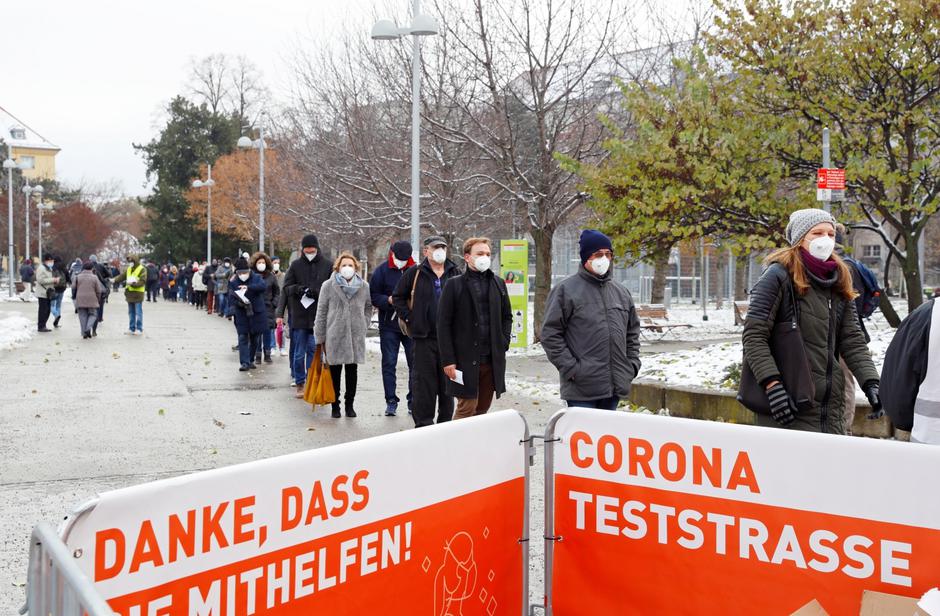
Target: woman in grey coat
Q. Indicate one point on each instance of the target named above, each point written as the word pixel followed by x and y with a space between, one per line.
pixel 343 316
pixel 88 290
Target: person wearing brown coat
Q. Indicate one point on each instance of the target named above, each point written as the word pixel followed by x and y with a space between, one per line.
pixel 88 290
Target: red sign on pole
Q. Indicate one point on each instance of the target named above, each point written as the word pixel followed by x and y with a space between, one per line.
pixel 831 179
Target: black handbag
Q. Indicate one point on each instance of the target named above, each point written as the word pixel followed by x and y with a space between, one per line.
pixel 789 353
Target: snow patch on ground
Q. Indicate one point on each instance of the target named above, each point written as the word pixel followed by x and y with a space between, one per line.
pixel 717 366
pixel 15 331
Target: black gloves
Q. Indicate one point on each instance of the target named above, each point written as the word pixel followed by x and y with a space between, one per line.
pixel 309 293
pixel 874 398
pixel 782 406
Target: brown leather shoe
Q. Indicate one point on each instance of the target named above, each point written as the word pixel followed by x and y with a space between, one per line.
pixel 300 392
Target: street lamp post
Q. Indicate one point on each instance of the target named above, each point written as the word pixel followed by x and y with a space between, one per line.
pixel 10 165
pixel 40 206
pixel 248 142
pixel 386 30
pixel 30 190
pixel 208 184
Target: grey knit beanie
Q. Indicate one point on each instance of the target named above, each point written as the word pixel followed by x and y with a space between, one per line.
pixel 801 221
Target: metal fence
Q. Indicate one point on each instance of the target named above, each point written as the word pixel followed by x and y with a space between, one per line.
pixel 55 585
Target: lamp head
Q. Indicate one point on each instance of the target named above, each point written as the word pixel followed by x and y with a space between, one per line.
pixel 9 164
pixel 385 30
pixel 245 142
pixel 209 182
pixel 424 25
pixel 38 189
pixel 197 184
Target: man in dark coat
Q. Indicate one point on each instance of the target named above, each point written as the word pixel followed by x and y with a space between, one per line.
pixel 591 332
pixel 153 281
pixel 426 282
pixel 246 299
pixel 474 326
pixel 381 287
pixel 302 287
pixel 27 276
pixel 910 378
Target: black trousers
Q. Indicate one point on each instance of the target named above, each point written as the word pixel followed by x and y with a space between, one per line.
pixel 45 307
pixel 352 380
pixel 429 385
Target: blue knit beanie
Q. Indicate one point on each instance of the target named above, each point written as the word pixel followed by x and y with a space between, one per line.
pixel 591 241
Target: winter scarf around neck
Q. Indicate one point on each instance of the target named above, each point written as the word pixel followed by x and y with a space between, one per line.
pixel 349 287
pixel 824 270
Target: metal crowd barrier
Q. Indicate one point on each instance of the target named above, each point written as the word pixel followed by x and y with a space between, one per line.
pixel 55 586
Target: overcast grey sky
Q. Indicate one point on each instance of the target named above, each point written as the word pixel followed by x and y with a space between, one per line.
pixel 93 75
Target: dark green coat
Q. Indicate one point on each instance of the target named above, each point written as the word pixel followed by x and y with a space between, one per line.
pixel 830 329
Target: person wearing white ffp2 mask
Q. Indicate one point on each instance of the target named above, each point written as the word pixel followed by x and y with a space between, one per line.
pixel 416 297
pixel 474 329
pixel 591 332
pixel 341 324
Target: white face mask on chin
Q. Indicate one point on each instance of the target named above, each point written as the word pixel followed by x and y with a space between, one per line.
pixel 822 247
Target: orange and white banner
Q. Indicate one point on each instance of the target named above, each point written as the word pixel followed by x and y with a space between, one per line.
pixel 659 515
pixel 420 522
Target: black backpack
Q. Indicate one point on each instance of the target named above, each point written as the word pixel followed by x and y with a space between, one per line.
pixel 871 292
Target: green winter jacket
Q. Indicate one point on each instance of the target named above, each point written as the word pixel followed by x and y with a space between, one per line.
pixel 830 330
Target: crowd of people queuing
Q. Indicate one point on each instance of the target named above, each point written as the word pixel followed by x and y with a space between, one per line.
pixel 451 318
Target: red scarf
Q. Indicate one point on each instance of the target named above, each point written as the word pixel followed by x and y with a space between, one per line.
pixel 823 270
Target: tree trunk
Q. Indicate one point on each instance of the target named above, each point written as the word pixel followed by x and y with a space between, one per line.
pixel 910 267
pixel 542 238
pixel 885 305
pixel 740 278
pixel 660 271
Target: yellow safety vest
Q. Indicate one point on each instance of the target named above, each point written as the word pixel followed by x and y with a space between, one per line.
pixel 136 273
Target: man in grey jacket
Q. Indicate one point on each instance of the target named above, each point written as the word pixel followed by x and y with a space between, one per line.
pixel 591 332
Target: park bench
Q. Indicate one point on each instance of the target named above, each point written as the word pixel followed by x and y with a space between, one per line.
pixel 654 319
pixel 740 312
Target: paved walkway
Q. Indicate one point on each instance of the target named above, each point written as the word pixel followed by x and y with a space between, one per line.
pixel 78 417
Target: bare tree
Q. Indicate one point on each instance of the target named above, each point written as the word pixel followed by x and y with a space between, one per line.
pixel 536 76
pixel 209 81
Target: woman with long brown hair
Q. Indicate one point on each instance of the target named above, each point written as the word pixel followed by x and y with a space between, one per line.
pixel 807 276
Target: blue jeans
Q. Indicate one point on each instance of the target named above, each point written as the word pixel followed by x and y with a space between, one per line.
pixel 55 305
pixel 305 345
pixel 267 340
pixel 222 301
pixel 390 339
pixel 135 314
pixel 606 404
pixel 248 345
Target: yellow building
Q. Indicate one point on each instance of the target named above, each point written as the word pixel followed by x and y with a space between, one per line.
pixel 33 153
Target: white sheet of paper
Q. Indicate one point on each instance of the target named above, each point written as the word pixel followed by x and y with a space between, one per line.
pixel 930 602
pixel 241 293
pixel 458 377
pixel 306 302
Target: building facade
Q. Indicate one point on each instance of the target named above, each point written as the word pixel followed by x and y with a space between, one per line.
pixel 33 153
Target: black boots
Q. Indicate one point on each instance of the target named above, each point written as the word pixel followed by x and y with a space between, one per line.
pixel 336 414
pixel 350 411
pixel 267 357
pixel 55 323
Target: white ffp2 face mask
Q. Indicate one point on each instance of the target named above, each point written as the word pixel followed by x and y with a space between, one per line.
pixel 600 265
pixel 244 277
pixel 399 263
pixel 261 266
pixel 482 263
pixel 439 255
pixel 310 256
pixel 347 272
pixel 822 247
